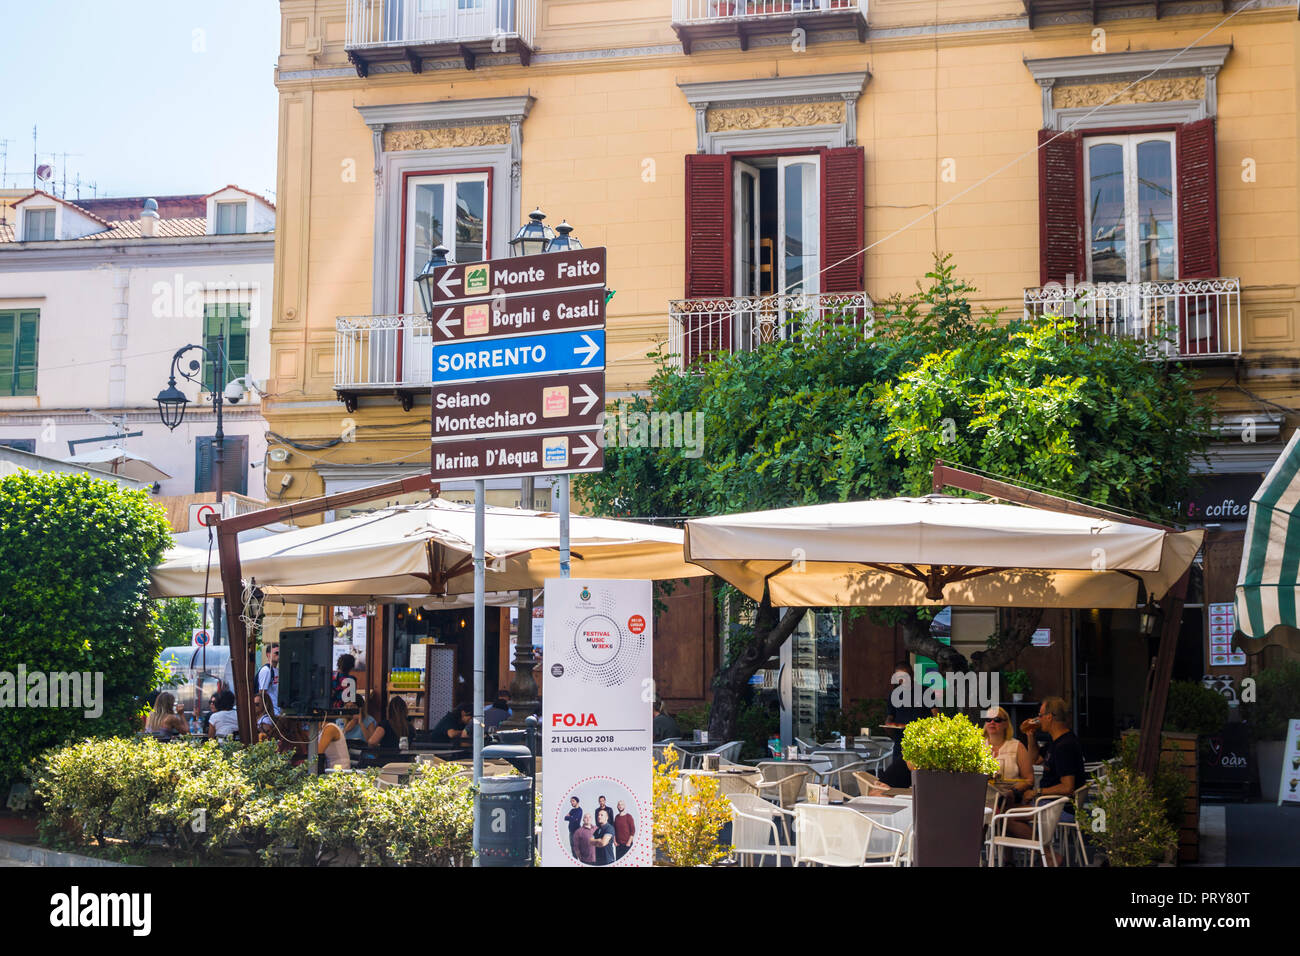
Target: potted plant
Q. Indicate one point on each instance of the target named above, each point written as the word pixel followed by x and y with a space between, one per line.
pixel 950 765
pixel 1018 684
pixel 1131 825
pixel 1277 699
pixel 724 8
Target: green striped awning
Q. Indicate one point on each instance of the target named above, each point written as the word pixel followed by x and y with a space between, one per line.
pixel 1270 561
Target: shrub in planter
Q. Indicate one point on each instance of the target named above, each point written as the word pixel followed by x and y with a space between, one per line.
pixel 952 765
pixel 686 828
pixel 326 820
pixel 1018 681
pixel 427 822
pixel 1194 708
pixel 75 554
pixel 1131 822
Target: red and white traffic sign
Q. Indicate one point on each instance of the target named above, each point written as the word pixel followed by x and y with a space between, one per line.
pixel 202 515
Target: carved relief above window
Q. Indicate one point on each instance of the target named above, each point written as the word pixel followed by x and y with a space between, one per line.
pixel 1148 91
pixel 446 137
pixel 774 117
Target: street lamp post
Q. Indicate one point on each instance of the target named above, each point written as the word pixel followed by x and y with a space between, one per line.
pixel 171 409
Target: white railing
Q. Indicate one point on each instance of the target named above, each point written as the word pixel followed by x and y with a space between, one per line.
pixel 703 11
pixel 697 327
pixel 377 23
pixel 1187 319
pixel 383 351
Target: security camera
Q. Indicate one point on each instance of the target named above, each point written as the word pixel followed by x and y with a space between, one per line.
pixel 234 393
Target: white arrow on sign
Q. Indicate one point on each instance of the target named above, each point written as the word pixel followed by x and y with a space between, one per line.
pixel 444 326
pixel 589 350
pixel 588 400
pixel 588 450
pixel 446 281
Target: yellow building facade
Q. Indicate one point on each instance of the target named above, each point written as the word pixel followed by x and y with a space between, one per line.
pixel 592 111
pixel 743 160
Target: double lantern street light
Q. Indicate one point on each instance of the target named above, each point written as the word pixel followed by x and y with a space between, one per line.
pixel 533 238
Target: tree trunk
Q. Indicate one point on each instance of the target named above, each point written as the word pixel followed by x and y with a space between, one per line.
pixel 769 633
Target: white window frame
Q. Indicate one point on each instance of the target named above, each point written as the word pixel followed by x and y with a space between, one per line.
pixel 27 223
pixel 1129 142
pixel 811 282
pixel 449 181
pixel 225 204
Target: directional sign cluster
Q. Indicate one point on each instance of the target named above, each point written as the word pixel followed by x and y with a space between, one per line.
pixel 519 366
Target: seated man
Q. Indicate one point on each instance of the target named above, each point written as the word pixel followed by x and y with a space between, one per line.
pixel 663 726
pixel 1063 771
pixel 496 714
pixel 454 726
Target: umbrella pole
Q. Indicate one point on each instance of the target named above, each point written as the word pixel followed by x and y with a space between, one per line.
pixel 479 609
pixel 1161 673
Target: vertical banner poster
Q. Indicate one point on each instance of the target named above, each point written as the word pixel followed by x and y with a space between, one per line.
pixel 1289 791
pixel 597 715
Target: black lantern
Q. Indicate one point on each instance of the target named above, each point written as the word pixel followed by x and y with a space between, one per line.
pixel 424 281
pixel 171 405
pixel 1148 618
pixel 533 237
pixel 564 242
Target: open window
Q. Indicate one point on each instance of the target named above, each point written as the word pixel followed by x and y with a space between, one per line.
pixel 1133 211
pixel 778 228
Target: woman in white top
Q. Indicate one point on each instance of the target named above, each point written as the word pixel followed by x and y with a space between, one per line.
pixel 1010 753
pixel 335 748
pixel 223 722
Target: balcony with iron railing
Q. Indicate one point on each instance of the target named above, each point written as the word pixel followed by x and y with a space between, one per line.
pixel 698 327
pixel 382 355
pixel 411 31
pixel 695 20
pixel 1188 319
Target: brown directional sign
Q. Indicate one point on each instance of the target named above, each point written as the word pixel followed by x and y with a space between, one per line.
pixel 518 456
pixel 545 403
pixel 520 315
pixel 526 275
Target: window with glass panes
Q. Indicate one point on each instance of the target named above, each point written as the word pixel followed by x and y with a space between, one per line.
pixel 38 225
pixel 19 337
pixel 225 324
pixel 232 218
pixel 431 203
pixel 1130 207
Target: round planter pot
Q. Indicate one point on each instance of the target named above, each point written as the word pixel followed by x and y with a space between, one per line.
pixel 1270 768
pixel 949 817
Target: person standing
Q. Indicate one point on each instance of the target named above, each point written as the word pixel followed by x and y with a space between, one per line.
pixel 574 818
pixel 624 831
pixel 603 838
pixel 343 690
pixel 268 680
pixel 584 850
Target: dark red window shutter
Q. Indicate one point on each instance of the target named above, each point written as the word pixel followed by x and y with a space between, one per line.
pixel 1198 207
pixel 1060 207
pixel 708 250
pixel 843 219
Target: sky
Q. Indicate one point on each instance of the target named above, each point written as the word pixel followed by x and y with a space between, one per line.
pixel 148 97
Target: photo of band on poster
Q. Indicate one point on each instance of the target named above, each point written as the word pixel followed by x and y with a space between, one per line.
pixel 597 735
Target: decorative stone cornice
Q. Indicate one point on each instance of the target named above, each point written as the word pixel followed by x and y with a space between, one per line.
pixel 771 98
pixel 1147 91
pixel 500 109
pixel 445 137
pixel 1102 67
pixel 771 117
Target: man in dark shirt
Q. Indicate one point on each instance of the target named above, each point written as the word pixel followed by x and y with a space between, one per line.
pixel 452 727
pixel 603 838
pixel 1063 771
pixel 574 818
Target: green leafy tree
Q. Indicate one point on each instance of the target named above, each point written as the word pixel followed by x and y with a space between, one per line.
pixel 75 554
pixel 835 414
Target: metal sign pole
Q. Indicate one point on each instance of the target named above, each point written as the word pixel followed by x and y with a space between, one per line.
pixel 480 576
pixel 564 526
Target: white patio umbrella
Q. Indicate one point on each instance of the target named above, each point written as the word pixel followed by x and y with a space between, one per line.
pixel 939 550
pixel 119 461
pixel 424 551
